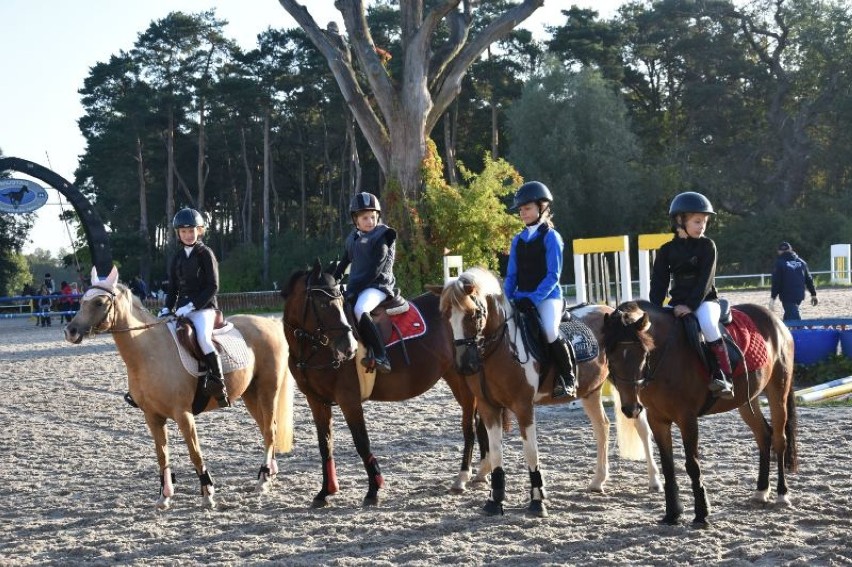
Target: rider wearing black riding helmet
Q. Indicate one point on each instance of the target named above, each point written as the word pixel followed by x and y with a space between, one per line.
pixel 688 264
pixel 533 274
pixel 193 284
pixel 370 250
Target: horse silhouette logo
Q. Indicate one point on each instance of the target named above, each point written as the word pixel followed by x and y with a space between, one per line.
pixel 21 196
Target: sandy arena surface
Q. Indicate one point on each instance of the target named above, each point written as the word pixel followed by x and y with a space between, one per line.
pixel 79 479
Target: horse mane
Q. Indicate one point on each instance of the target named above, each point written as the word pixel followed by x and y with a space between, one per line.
pixel 484 283
pixel 621 325
pixel 288 287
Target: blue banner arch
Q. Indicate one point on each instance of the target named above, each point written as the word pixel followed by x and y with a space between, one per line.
pixel 96 234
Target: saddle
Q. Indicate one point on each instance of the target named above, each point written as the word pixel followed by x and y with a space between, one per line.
pixel 187 336
pixel 576 334
pixel 746 348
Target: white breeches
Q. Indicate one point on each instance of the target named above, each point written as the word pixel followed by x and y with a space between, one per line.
pixel 550 311
pixel 203 320
pixel 367 301
pixel 708 314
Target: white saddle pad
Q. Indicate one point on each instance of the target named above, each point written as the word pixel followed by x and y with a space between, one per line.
pixel 233 350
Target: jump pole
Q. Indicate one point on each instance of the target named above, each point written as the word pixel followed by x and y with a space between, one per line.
pixel 648 245
pixel 596 250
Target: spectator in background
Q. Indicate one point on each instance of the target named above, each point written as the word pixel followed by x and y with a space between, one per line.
pixel 48 283
pixel 789 280
pixel 44 303
pixel 139 288
pixel 65 302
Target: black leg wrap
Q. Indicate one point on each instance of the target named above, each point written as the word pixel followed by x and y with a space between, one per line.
pixel 494 505
pixel 536 482
pixel 206 480
pixel 264 470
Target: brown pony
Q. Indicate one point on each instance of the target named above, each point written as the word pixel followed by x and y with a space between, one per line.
pixel 163 389
pixel 655 368
pixel 322 352
pixel 503 375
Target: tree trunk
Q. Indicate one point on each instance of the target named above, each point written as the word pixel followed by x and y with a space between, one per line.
pixel 201 167
pixel 267 165
pixel 450 146
pixel 145 257
pixel 170 183
pixel 245 211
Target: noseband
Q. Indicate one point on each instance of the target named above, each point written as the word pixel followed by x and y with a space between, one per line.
pixel 318 338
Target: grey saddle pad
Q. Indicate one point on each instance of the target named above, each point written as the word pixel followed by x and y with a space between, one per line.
pixel 581 336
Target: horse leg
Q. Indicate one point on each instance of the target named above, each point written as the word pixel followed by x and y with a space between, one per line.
pixel 644 433
pixel 186 424
pixel 527 426
pixel 593 406
pixel 663 436
pixel 762 434
pixel 157 426
pixel 263 413
pixel 493 420
pixel 322 421
pixel 353 412
pixel 689 433
pixel 467 401
pixel 484 470
pixel 782 410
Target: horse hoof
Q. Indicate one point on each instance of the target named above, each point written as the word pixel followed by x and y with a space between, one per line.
pixel 493 508
pixel 669 520
pixel 700 523
pixel 164 503
pixel 760 497
pixel 454 489
pixel 319 503
pixel 783 500
pixel 537 509
pixel 371 501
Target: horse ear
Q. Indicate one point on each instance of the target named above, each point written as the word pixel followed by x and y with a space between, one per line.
pixel 435 288
pixel 95 277
pixel 112 278
pixel 317 270
pixel 468 288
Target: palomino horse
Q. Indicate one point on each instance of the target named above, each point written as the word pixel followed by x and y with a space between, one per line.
pixel 502 374
pixel 163 389
pixel 654 367
pixel 322 348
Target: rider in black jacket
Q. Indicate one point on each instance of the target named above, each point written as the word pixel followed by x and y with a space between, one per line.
pixel 193 284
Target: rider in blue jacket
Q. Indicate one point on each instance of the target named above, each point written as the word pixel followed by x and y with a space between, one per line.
pixel 533 273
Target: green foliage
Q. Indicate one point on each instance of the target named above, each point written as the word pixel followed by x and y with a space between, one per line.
pixel 836 366
pixel 413 266
pixel 14 273
pixel 472 220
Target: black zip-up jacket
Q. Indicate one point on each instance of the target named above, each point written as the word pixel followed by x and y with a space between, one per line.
pixel 193 278
pixel 790 278
pixel 689 264
pixel 371 255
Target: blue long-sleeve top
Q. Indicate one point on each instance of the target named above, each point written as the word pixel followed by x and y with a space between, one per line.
pixel 548 287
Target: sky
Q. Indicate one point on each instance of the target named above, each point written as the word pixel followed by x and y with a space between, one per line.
pixel 49 47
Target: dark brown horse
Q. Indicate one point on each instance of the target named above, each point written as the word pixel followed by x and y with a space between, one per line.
pixel 322 360
pixel 503 375
pixel 654 367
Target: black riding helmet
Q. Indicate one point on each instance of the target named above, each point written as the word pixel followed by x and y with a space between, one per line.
pixel 187 218
pixel 529 192
pixel 689 202
pixel 364 202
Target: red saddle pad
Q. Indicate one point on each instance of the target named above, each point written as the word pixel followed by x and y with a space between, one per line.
pixel 408 325
pixel 748 338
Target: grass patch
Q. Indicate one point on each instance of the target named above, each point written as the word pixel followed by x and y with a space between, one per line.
pixel 837 366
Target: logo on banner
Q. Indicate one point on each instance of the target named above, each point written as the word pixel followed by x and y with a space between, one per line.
pixel 21 196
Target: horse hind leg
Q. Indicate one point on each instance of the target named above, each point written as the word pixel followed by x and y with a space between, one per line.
pixel 536 507
pixel 753 416
pixel 593 407
pixel 264 415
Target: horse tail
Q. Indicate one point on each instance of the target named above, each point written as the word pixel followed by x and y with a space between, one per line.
pixel 626 434
pixel 791 456
pixel 284 419
pixel 507 420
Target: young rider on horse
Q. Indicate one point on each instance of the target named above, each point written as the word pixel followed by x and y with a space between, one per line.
pixel 688 261
pixel 532 277
pixel 370 249
pixel 193 283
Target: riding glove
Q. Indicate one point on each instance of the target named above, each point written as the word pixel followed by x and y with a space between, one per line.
pixel 185 310
pixel 164 312
pixel 814 300
pixel 524 304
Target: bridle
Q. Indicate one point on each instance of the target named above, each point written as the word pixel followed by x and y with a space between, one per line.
pixel 648 372
pixel 317 339
pixel 479 341
pixel 110 315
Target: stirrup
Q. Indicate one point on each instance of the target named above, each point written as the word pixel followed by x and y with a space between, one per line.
pixel 129 399
pixel 721 389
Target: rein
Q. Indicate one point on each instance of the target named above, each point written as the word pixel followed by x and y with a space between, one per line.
pixel 482 342
pixel 109 328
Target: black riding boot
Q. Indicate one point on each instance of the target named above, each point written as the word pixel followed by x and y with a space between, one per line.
pixel 214 385
pixel 721 384
pixel 373 340
pixel 564 381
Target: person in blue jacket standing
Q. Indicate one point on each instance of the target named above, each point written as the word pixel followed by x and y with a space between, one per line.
pixel 533 273
pixel 789 280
